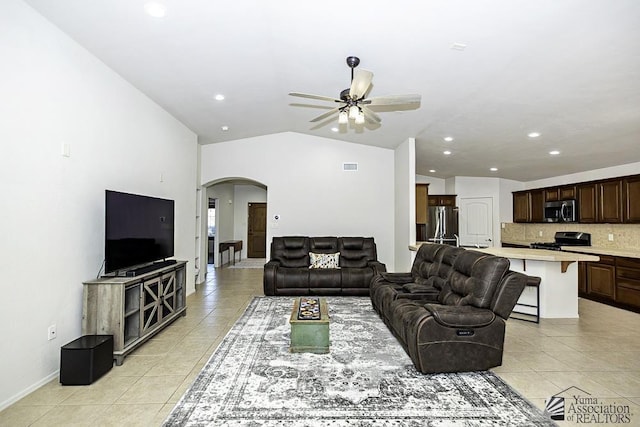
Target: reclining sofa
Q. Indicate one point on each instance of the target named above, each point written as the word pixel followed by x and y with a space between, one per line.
pixel 449 312
pixel 302 265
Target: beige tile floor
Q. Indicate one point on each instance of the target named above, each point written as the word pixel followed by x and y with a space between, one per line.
pixel 599 353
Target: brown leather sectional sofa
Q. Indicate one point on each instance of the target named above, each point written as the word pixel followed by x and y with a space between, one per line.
pixel 288 271
pixel 449 312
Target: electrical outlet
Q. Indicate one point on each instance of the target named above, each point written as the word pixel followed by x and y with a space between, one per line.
pixel 611 237
pixel 540 233
pixel 52 333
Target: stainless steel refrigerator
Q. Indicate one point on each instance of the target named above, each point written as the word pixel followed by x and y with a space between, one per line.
pixel 443 225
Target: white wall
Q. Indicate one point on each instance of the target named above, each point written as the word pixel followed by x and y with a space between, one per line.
pixel 307 187
pixel 405 204
pixel 243 195
pixel 436 185
pixel 507 187
pixel 53 93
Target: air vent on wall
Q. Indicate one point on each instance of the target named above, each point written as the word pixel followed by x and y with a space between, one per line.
pixel 350 167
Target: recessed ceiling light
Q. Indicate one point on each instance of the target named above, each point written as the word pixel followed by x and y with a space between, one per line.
pixel 225 128
pixel 432 170
pixel 448 138
pixel 554 152
pixel 335 130
pixel 446 153
pixel 155 9
pixel 533 134
pixel 493 169
pixel 219 97
pixel 458 46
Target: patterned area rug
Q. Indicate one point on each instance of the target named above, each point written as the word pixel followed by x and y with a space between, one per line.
pixel 366 380
pixel 249 263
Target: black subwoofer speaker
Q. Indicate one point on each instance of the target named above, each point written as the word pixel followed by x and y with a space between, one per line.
pixel 84 360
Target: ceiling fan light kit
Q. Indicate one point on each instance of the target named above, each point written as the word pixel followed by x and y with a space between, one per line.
pixel 354 102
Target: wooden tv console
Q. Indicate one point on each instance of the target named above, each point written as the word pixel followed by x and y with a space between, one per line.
pixel 133 309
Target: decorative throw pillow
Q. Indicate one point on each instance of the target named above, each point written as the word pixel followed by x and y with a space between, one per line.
pixel 324 260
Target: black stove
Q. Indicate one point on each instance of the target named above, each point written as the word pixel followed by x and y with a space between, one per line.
pixel 553 246
pixel 564 238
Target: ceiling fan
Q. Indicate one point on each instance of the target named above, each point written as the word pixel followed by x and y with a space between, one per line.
pixel 353 103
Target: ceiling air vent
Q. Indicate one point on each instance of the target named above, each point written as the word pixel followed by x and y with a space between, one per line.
pixel 350 167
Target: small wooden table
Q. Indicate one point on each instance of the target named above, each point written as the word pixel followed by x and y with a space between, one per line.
pixel 309 336
pixel 236 245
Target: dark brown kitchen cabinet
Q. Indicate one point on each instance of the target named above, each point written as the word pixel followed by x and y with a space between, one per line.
pixel 528 206
pixel 601 278
pixel 422 190
pixel 628 281
pixel 614 200
pixel 567 192
pixel 587 203
pixel 609 201
pixel 537 206
pixel 551 194
pixel 612 280
pixel 521 203
pixel 442 200
pixel 421 203
pixel 631 199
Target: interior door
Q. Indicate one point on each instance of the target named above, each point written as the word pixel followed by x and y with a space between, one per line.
pixel 257 233
pixel 476 221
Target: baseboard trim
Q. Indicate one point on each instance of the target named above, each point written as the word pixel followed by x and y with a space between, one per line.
pixel 13 399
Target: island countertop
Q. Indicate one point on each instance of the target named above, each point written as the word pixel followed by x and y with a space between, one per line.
pixel 529 254
pixel 596 250
pixel 538 254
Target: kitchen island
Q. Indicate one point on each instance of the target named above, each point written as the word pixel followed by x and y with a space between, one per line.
pixel 559 274
pixel 559 278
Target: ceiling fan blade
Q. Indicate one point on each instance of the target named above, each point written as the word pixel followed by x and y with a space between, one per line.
pixel 370 115
pixel 393 100
pixel 325 115
pixel 360 84
pixel 318 97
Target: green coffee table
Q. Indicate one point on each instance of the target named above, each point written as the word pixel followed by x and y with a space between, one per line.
pixel 309 335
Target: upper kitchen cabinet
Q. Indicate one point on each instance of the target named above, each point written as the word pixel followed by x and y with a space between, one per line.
pixel 609 201
pixel 551 194
pixel 631 199
pixel 614 200
pixel 442 200
pixel 421 203
pixel 567 192
pixel 587 202
pixel 600 201
pixel 528 206
pixel 537 206
pixel 521 205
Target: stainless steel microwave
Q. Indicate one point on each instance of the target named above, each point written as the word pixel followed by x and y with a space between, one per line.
pixel 562 211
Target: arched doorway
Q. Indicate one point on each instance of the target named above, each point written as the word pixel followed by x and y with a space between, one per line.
pixel 233 198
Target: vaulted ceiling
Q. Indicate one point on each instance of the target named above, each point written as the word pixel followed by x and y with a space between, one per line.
pixel 489 72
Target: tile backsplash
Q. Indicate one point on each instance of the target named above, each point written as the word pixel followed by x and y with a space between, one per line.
pixel 625 236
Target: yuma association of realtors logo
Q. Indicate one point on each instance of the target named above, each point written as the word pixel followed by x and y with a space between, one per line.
pixel 578 406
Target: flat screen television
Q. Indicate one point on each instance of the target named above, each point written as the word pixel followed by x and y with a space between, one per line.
pixel 138 230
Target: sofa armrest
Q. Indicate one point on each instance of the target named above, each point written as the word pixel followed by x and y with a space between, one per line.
pixel 461 316
pixel 269 277
pixel 509 291
pixel 377 267
pixel 397 278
